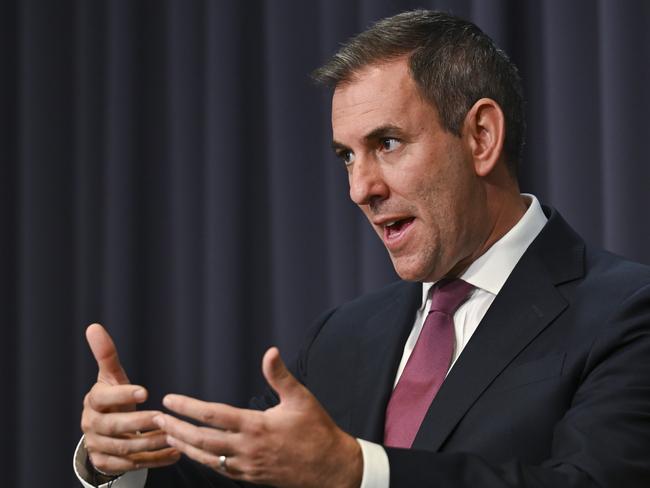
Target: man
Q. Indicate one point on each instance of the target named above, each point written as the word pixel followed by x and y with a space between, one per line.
pixel 512 354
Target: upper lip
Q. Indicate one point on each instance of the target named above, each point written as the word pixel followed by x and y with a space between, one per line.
pixel 390 219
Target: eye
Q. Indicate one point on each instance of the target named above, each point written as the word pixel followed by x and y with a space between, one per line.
pixel 390 144
pixel 346 156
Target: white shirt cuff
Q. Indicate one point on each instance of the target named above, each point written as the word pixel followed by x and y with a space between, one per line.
pixel 132 479
pixel 376 469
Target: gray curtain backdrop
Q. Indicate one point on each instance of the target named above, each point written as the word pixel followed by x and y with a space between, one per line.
pixel 165 170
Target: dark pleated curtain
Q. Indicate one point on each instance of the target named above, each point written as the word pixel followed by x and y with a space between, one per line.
pixel 165 170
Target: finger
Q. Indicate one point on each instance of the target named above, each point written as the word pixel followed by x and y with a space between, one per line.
pixel 217 415
pixel 103 397
pixel 204 438
pixel 204 457
pixel 110 464
pixel 105 353
pixel 129 444
pixel 278 376
pixel 118 423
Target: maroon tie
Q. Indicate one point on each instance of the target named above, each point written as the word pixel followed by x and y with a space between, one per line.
pixel 427 367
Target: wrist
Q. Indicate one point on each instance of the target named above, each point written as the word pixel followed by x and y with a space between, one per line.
pixel 98 476
pixel 352 463
pixel 357 468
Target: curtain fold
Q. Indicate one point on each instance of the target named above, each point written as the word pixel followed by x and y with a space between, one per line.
pixel 166 170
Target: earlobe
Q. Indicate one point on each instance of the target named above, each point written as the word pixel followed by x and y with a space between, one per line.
pixel 485 131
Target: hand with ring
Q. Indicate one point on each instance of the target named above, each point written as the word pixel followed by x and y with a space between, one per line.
pixel 294 444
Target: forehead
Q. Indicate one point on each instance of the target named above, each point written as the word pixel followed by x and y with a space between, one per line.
pixel 384 94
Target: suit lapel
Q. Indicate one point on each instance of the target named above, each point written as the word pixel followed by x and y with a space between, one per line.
pixel 380 350
pixel 527 303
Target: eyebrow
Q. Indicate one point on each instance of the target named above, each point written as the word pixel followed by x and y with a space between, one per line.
pixel 380 132
pixel 338 147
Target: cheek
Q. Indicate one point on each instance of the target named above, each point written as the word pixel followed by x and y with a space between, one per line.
pixel 443 217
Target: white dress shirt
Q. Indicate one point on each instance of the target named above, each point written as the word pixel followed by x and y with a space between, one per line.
pixel 487 274
pixel 132 479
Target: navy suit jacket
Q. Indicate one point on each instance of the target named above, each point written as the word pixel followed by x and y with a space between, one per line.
pixel 552 390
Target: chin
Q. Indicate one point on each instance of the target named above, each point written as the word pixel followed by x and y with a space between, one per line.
pixel 411 271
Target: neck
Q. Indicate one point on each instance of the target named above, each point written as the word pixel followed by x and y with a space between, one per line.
pixel 505 207
pixel 505 212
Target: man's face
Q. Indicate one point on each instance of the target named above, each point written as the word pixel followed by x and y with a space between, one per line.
pixel 414 181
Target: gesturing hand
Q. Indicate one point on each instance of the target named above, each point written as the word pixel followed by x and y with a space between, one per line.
pixel 294 444
pixel 117 437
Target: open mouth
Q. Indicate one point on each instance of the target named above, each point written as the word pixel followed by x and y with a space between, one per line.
pixel 393 230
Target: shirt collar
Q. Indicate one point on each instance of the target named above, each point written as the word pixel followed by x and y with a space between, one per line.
pixel 491 270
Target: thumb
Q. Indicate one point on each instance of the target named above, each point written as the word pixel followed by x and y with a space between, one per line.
pixel 278 376
pixel 108 362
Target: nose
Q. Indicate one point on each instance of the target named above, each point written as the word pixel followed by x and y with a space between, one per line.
pixel 367 183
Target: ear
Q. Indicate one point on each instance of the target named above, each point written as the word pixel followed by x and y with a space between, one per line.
pixel 485 131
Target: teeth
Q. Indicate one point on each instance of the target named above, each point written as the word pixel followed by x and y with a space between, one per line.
pixel 392 222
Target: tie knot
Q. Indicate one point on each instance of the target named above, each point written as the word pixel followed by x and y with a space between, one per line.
pixel 449 295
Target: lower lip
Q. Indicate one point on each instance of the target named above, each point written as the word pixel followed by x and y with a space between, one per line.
pixel 394 240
